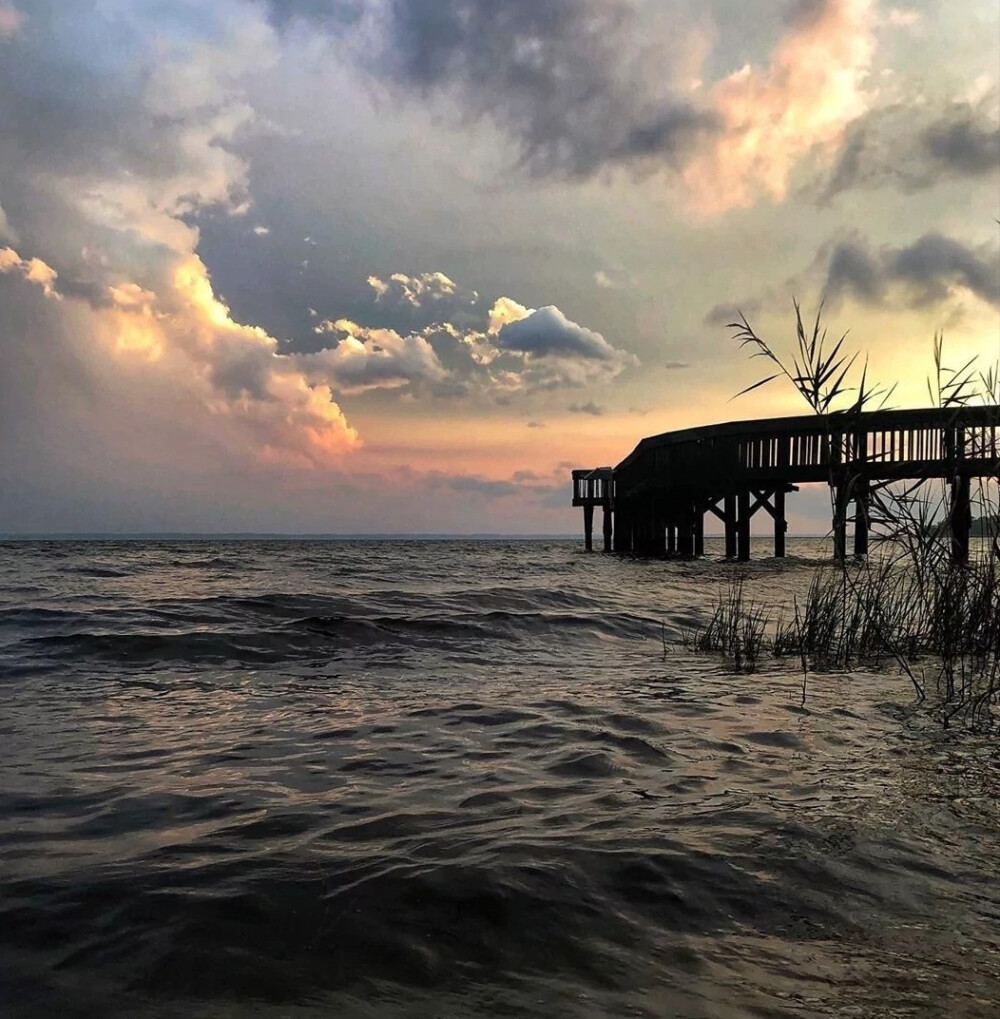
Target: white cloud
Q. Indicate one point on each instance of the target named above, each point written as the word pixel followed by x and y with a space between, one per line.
pixel 416 291
pixel 366 359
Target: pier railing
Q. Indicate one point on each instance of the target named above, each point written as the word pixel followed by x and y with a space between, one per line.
pixel 887 445
pixel 593 487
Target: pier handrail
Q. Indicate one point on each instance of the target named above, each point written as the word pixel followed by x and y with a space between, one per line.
pixel 825 424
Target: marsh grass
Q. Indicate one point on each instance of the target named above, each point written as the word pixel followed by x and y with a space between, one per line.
pixel 908 603
pixel 737 628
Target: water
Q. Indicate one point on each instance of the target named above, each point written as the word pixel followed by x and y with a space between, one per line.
pixel 463 779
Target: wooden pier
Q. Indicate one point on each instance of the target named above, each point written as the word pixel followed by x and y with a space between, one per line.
pixel 655 501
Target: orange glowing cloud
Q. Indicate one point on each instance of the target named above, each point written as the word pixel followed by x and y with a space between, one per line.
pixel 235 370
pixel 774 116
pixel 32 269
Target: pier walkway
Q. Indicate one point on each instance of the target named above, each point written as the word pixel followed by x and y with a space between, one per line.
pixel 654 502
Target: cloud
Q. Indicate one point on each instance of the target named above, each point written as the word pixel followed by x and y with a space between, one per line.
pixel 583 86
pixel 7 232
pixel 366 359
pixel 613 279
pixel 548 333
pixel 926 272
pixel 504 352
pixel 590 408
pixel 554 352
pixel 109 163
pixel 725 313
pixel 563 77
pixel 963 143
pixel 900 17
pixel 531 486
pixel 11 20
pixel 917 147
pixel 427 288
pixel 803 101
pixel 34 270
pixel 676 365
pixel 475 485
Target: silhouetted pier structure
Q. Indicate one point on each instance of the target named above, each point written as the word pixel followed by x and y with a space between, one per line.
pixel 654 502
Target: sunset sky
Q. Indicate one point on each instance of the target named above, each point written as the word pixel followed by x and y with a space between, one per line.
pixel 397 265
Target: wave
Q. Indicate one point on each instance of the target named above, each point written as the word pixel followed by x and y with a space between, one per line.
pixel 313 635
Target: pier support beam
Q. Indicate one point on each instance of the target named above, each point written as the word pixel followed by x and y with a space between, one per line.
pixel 862 517
pixel 730 522
pixel 620 537
pixel 608 526
pixel 961 519
pixel 780 524
pixel 840 499
pixel 699 531
pixel 588 526
pixel 685 533
pixel 743 526
pixel 659 535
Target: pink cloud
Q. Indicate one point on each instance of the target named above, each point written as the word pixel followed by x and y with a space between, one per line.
pixel 775 116
pixel 11 20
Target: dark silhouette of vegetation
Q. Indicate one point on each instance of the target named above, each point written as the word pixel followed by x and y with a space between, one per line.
pixel 908 602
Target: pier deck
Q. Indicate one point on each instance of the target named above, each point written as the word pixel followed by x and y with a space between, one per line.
pixel 654 502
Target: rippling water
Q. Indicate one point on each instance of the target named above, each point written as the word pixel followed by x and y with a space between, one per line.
pixel 462 779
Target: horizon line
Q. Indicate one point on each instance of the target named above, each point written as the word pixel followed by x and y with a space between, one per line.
pixel 306 535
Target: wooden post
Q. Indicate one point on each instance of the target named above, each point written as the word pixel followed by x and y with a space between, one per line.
pixel 671 539
pixel 699 531
pixel 862 517
pixel 588 526
pixel 743 526
pixel 780 524
pixel 640 529
pixel 961 519
pixel 840 522
pixel 730 521
pixel 608 525
pixel 622 528
pixel 659 543
pixel 685 532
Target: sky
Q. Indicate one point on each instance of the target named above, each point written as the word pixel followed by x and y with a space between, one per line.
pixel 399 265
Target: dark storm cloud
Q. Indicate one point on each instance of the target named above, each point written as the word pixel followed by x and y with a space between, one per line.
pixel 900 146
pixel 963 145
pixel 854 270
pixel 927 271
pixel 563 77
